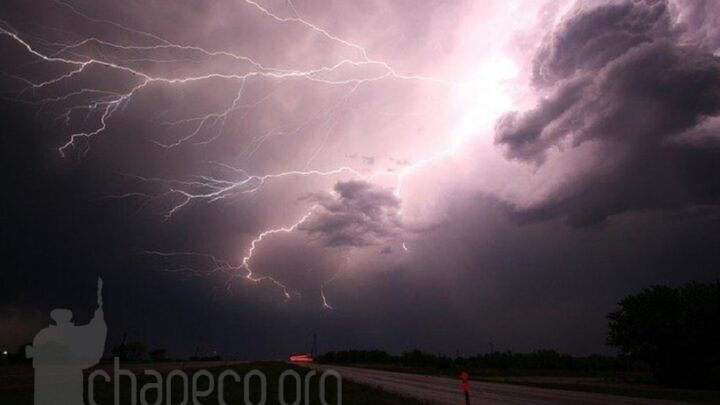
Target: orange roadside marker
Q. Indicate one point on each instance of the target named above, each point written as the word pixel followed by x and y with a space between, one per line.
pixel 465 378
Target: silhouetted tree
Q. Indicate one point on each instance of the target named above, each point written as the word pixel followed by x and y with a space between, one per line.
pixel 356 357
pixel 129 351
pixel 158 355
pixel 676 330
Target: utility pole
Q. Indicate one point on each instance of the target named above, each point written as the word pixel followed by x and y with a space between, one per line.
pixel 314 349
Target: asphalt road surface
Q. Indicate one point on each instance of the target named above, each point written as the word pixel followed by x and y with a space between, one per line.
pixel 443 390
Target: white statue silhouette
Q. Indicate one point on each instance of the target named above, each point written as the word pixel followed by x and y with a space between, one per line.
pixel 62 351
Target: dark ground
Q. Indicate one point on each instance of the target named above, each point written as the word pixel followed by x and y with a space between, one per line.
pixel 16 386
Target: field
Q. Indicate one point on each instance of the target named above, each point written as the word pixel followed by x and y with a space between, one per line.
pixel 16 386
pixel 611 385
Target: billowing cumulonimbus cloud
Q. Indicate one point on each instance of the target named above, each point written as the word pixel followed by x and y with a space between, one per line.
pixel 623 77
pixel 595 34
pixel 697 20
pixel 357 214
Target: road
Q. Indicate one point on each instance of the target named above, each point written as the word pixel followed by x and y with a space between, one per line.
pixel 443 390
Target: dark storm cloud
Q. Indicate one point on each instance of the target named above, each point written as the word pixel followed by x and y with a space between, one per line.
pixel 646 102
pixel 357 214
pixel 529 134
pixel 595 34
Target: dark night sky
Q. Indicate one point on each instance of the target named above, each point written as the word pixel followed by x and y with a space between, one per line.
pixel 520 170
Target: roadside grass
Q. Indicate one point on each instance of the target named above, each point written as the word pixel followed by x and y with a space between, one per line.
pixel 629 384
pixel 352 393
pixel 612 387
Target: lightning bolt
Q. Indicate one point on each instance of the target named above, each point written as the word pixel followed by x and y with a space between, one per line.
pixel 212 189
pixel 253 245
pixel 74 61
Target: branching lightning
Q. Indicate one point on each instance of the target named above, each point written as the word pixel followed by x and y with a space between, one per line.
pixel 74 60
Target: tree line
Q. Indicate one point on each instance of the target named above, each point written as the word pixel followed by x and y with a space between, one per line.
pixel 672 332
pixel 545 360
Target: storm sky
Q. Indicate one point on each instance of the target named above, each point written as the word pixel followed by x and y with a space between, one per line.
pixel 402 174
